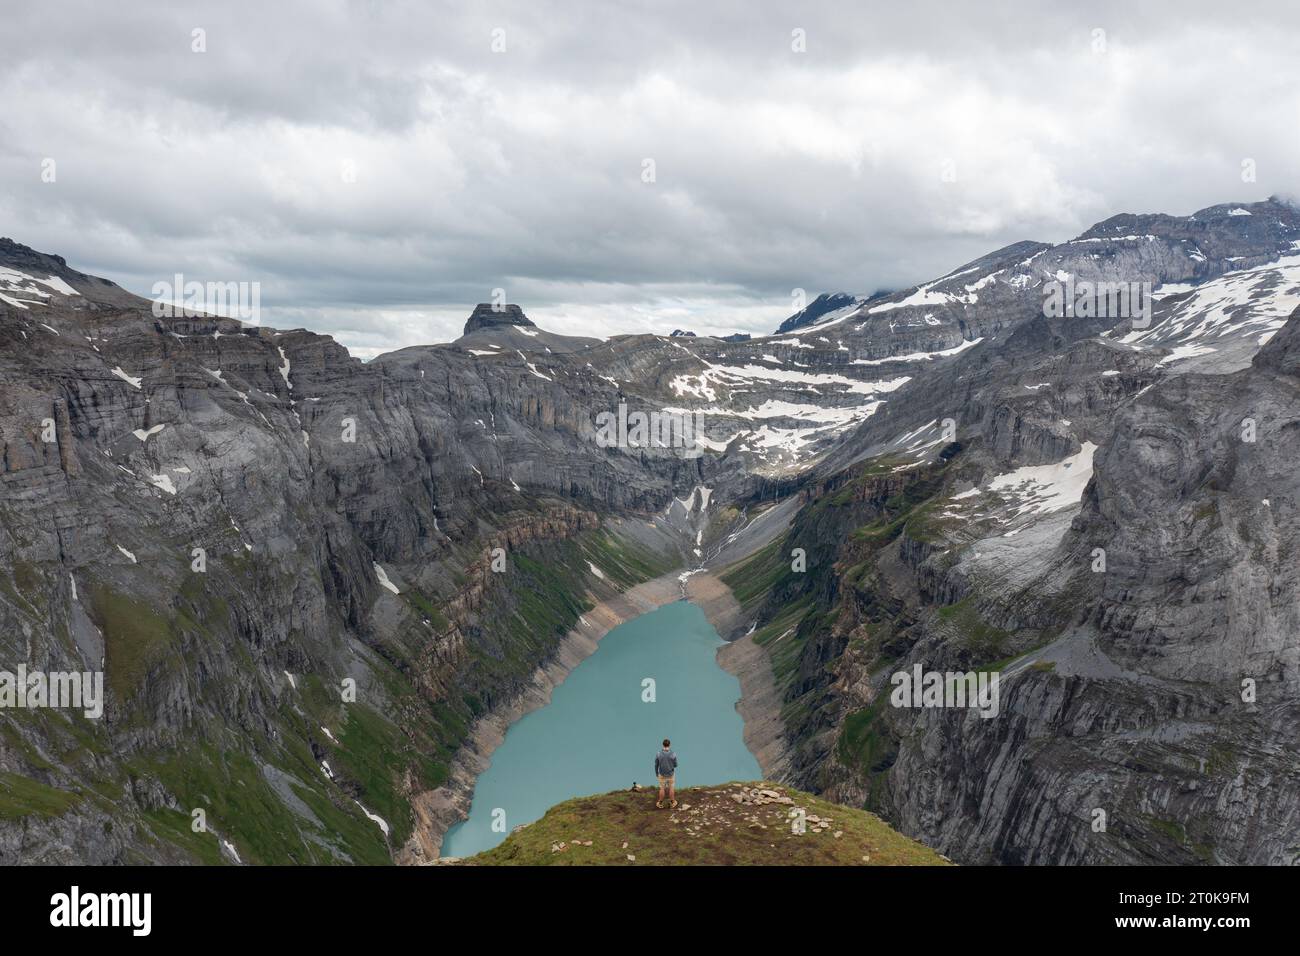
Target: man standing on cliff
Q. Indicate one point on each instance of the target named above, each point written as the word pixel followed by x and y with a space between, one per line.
pixel 666 771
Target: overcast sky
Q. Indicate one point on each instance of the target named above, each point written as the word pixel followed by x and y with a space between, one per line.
pixel 525 168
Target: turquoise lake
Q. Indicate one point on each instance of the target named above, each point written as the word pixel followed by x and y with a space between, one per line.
pixel 598 734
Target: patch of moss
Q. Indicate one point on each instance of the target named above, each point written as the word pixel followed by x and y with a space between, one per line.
pixel 176 828
pixel 620 563
pixel 1222 760
pixel 243 808
pixel 1175 832
pixel 375 753
pixel 26 578
pixel 22 796
pixel 985 642
pixel 864 741
pixel 426 607
pixel 135 636
pixel 753 578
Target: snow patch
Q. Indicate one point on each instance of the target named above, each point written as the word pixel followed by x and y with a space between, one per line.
pixel 380 821
pixel 17 303
pixel 163 482
pixel 132 380
pixel 382 575
pixel 15 281
pixel 1048 488
pixel 284 369
pixel 1186 351
pixel 533 368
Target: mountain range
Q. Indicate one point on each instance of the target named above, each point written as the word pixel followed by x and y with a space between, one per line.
pixel 311 581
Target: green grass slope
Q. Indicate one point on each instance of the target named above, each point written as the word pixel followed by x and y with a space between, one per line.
pixel 734 824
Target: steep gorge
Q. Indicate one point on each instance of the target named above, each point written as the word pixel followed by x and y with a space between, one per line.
pixel 947 459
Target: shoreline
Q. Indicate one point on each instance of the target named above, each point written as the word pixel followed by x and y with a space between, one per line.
pixel 437 811
pixel 760 700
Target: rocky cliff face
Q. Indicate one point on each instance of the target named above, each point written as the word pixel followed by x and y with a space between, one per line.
pixel 1166 705
pixel 285 563
pixel 305 578
pixel 1112 536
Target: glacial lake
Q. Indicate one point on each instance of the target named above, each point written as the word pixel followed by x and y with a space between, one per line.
pixel 598 734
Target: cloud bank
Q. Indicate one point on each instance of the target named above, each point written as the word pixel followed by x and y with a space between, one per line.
pixel 381 167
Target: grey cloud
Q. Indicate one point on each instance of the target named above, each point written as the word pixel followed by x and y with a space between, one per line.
pixel 522 170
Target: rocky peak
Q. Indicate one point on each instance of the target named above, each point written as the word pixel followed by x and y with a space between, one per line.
pixel 1240 230
pixel 487 316
pixel 1282 352
pixel 16 254
pixel 35 265
pixel 824 304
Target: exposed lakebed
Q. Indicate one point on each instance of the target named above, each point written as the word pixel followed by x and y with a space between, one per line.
pixel 600 732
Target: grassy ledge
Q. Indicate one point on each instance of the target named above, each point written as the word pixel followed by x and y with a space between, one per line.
pixel 733 824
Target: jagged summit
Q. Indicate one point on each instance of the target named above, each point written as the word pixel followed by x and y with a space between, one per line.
pixel 823 305
pixel 25 275
pixel 9 249
pixel 487 316
pixel 506 327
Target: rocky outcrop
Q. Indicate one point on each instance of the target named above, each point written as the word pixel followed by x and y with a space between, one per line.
pixel 707 825
pixel 823 305
pixel 1146 702
pixel 487 316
